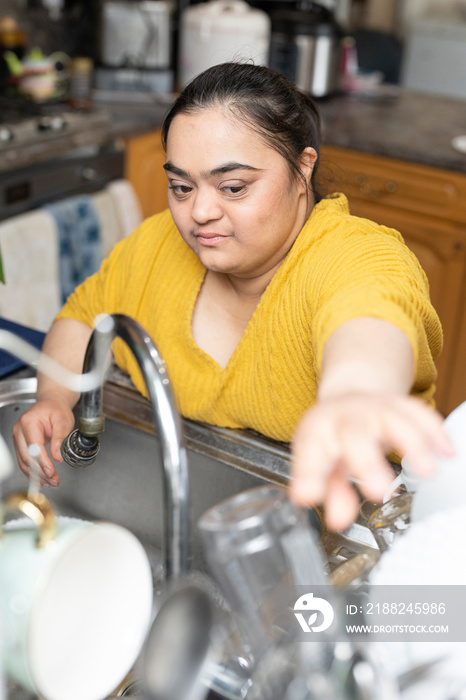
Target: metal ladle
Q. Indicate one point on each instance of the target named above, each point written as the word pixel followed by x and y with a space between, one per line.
pixel 180 644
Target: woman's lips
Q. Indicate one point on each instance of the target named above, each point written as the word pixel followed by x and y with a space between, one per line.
pixel 209 238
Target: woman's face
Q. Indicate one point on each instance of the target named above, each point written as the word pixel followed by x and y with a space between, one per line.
pixel 231 196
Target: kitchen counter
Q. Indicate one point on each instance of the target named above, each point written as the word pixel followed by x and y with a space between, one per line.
pixel 408 126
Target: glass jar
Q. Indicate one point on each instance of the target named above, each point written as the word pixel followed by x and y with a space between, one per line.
pixel 80 82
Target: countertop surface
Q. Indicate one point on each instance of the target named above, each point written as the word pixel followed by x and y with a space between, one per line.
pixel 407 126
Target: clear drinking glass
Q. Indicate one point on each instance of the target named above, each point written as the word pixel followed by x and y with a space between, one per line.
pixel 391 520
pixel 254 542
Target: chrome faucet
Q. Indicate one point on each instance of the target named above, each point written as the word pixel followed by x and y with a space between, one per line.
pixel 80 447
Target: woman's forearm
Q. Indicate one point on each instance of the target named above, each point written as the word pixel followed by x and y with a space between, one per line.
pixel 363 412
pixel 366 355
pixel 66 342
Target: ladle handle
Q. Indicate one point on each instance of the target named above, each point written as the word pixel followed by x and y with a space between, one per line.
pixel 39 509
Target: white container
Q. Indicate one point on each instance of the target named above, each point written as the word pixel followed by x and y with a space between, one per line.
pixel 219 31
pixel 75 602
pixel 446 489
pixel 434 58
pixel 136 34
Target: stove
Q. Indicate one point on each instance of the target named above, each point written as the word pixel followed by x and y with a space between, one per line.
pixel 50 151
pixel 23 122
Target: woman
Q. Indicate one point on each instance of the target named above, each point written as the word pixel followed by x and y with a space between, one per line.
pixel 273 308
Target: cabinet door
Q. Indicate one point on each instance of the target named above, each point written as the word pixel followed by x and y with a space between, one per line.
pixel 419 189
pixel 440 246
pixel 143 168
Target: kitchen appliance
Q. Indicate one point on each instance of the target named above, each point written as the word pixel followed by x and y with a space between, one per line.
pixel 434 58
pixel 136 34
pixel 218 31
pixel 305 47
pixel 136 47
pixel 48 157
pixel 25 124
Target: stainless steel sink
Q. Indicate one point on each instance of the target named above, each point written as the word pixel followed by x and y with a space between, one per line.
pixel 125 483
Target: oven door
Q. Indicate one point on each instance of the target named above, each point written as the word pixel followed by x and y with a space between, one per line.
pixel 58 220
pixel 81 171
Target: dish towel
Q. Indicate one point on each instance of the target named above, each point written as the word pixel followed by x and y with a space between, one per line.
pixel 29 245
pixel 110 226
pixel 79 240
pixel 126 204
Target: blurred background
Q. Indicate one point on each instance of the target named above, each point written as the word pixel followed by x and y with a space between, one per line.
pixel 385 31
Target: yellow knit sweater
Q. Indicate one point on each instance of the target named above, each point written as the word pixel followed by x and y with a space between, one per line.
pixel 340 267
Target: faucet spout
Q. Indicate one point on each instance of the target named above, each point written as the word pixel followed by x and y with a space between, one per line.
pixel 81 446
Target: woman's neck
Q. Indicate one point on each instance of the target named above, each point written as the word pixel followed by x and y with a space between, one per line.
pixel 248 288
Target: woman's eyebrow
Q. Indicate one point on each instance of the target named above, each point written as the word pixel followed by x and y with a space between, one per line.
pixel 176 171
pixel 225 168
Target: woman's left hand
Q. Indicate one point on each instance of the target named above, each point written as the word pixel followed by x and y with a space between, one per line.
pixel 346 438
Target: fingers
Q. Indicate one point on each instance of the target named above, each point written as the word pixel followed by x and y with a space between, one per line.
pixel 46 421
pixel 341 503
pixel 347 438
pixel 364 460
pixel 38 468
pixel 314 456
pixel 418 430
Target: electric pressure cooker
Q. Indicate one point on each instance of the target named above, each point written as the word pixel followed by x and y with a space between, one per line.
pixel 305 47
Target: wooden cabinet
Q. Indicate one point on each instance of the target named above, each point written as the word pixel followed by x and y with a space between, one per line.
pixel 428 207
pixel 143 168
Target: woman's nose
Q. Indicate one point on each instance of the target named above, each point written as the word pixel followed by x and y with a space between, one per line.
pixel 206 206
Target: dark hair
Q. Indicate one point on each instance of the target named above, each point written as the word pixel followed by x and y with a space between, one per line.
pixel 287 119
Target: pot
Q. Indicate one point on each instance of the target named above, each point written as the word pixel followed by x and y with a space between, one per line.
pixel 218 31
pixel 305 47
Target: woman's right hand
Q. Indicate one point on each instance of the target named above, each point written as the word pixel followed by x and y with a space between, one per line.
pixel 49 421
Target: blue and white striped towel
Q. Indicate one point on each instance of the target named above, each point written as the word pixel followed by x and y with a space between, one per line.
pixel 79 240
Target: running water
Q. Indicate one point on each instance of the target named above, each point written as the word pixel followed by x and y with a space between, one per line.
pixel 34 469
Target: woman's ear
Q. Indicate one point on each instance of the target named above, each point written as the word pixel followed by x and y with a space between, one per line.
pixel 307 162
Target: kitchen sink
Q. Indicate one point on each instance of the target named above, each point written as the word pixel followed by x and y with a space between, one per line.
pixel 124 485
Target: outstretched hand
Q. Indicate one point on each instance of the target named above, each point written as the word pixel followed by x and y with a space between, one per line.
pixel 48 421
pixel 347 438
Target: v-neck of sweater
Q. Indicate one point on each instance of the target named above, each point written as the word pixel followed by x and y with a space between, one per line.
pixel 233 359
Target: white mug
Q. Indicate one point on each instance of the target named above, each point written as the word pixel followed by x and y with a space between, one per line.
pixel 75 602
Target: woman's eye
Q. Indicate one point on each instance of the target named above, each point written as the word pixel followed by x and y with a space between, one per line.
pixel 233 189
pixel 180 190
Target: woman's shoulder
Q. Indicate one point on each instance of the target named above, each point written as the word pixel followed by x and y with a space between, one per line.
pixel 335 242
pixel 332 215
